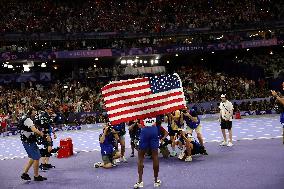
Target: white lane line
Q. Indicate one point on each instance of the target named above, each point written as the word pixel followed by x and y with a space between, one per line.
pixel 247 138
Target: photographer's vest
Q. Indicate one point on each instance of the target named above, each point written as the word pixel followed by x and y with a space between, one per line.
pixel 27 135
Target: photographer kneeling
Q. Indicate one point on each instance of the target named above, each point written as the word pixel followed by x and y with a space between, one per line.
pixel 108 151
pixel 192 147
pixel 29 139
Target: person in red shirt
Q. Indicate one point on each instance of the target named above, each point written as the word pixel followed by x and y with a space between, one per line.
pixel 3 123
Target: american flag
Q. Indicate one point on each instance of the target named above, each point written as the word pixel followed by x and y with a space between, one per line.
pixel 140 98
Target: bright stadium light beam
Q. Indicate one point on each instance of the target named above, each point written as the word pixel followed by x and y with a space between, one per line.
pixel 43 65
pixel 26 68
pixel 129 61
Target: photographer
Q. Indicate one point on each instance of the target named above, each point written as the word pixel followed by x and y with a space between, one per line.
pixel 280 100
pixel 134 132
pixel 193 124
pixel 164 141
pixel 175 121
pixel 120 130
pixel 107 147
pixel 44 122
pixel 192 146
pixel 28 138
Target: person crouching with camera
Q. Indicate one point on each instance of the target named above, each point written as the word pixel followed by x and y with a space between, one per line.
pixel 108 151
pixel 29 141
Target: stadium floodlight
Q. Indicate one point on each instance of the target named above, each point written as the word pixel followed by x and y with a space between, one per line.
pixel 129 61
pixel 26 68
pixel 43 65
pixel 219 37
pixel 10 66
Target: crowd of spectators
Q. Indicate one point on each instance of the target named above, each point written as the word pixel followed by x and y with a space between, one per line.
pixel 205 86
pixel 271 62
pixel 69 98
pixel 133 17
pixel 64 99
pixel 115 42
pixel 147 16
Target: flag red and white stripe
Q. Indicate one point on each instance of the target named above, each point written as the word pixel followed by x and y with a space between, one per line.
pixel 131 99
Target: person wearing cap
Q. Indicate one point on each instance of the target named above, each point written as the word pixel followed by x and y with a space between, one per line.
pixel 226 115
